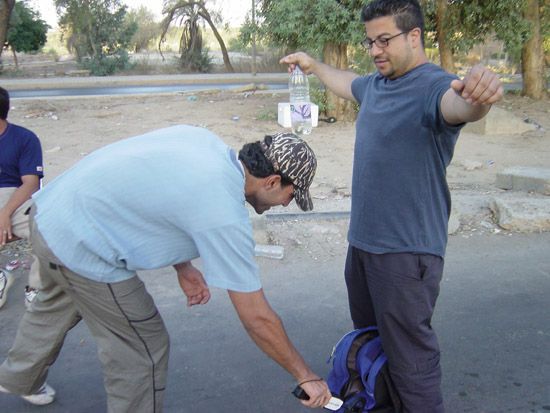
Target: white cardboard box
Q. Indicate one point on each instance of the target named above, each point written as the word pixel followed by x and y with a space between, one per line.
pixel 283 116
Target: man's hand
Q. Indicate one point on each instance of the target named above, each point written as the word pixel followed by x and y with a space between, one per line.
pixel 479 87
pixel 192 284
pixel 30 185
pixel 338 81
pixel 5 228
pixel 318 392
pixel 301 59
pixel 266 329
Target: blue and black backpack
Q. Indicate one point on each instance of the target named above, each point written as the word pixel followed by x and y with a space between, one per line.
pixel 360 375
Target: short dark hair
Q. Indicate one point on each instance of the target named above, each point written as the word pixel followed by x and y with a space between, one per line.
pixel 257 164
pixel 407 13
pixel 4 103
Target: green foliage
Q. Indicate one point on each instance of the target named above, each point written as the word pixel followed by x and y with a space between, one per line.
pixel 236 44
pixel 147 29
pixel 473 21
pixel 55 44
pixel 27 32
pixel 188 15
pixel 360 61
pixel 195 61
pixel 96 29
pixel 53 54
pixel 266 114
pixel 11 73
pixel 309 24
pixel 244 39
pixel 103 64
pixel 318 96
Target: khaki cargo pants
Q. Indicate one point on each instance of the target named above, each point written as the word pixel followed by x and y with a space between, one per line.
pixel 20 228
pixel 132 339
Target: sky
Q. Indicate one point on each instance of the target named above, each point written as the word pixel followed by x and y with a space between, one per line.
pixel 233 11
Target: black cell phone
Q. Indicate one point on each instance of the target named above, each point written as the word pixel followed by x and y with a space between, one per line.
pixel 300 393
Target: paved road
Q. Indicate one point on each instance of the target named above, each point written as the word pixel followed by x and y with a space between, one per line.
pixel 492 319
pixel 137 85
pixel 128 90
pixel 141 80
pixel 146 84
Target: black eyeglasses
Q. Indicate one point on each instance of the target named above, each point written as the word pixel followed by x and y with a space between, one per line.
pixel 381 42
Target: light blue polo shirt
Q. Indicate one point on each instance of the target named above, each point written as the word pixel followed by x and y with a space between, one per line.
pixel 152 201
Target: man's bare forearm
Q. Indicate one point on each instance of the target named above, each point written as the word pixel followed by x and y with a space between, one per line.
pixel 266 330
pixel 336 80
pixel 31 184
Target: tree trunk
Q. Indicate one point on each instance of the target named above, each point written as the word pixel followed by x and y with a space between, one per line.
pixel 336 55
pixel 6 7
pixel 15 58
pixel 445 51
pixel 92 45
pixel 206 16
pixel 253 65
pixel 532 56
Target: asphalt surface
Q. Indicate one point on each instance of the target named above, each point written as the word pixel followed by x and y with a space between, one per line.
pixel 141 80
pixel 492 319
pixel 60 86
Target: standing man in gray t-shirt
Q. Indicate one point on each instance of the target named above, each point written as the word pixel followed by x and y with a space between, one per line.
pixel 411 112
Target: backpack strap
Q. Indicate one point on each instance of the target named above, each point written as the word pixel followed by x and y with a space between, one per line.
pixel 367 356
pixel 355 404
pixel 370 380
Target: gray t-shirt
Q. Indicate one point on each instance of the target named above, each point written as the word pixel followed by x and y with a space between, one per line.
pixel 400 198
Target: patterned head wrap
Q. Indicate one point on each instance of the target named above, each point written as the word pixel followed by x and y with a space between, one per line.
pixel 295 160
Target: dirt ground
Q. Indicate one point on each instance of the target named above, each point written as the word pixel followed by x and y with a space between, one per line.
pixel 70 128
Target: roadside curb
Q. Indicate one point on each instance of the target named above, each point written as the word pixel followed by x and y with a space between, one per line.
pixel 141 80
pixel 514 211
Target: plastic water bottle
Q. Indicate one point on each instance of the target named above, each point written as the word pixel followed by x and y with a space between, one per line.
pixel 300 105
pixel 269 251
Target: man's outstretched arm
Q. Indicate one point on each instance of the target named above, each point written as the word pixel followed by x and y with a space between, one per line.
pixel 266 329
pixel 470 99
pixel 338 81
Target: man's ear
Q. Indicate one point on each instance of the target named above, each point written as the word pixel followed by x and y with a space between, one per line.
pixel 272 181
pixel 416 37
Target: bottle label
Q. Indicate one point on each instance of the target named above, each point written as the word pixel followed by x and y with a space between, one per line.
pixel 300 111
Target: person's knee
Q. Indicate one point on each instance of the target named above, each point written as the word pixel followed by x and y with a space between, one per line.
pixel 419 387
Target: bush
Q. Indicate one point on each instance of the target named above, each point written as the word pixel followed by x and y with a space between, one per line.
pixel 266 115
pixel 499 55
pixel 194 61
pixel 53 54
pixel 317 96
pixel 236 44
pixel 104 65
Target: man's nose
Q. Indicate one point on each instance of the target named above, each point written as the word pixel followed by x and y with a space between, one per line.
pixel 375 50
pixel 288 201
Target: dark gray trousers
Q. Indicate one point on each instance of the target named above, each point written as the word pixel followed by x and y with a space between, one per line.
pixel 397 292
pixel 132 339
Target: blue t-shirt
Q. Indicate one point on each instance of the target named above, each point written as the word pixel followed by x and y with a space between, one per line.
pixel 152 201
pixel 20 154
pixel 400 197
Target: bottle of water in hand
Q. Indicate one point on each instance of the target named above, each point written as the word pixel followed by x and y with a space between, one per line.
pixel 300 105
